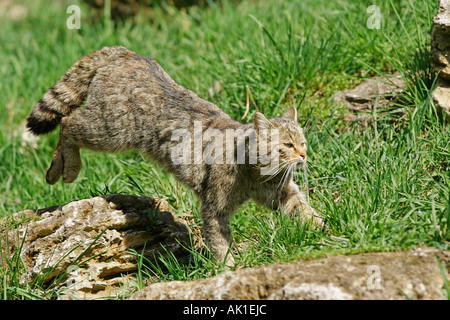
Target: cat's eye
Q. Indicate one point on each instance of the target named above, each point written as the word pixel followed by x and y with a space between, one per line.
pixel 289 145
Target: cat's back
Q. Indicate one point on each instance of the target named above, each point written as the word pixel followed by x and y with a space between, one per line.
pixel 135 98
pixel 135 76
pixel 138 83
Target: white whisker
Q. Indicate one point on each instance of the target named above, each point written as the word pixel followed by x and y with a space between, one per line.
pixel 286 175
pixel 305 177
pixel 277 169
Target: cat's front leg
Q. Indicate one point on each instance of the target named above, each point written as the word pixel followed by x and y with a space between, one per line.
pixel 217 233
pixel 293 202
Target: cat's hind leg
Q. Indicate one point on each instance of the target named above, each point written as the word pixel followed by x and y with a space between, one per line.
pixel 55 171
pixel 66 160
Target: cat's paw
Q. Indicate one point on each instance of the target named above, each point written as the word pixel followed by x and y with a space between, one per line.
pixel 315 219
pixel 309 215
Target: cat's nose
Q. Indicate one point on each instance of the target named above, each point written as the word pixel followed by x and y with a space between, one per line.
pixel 303 155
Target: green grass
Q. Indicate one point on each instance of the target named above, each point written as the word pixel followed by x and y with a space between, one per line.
pixel 382 187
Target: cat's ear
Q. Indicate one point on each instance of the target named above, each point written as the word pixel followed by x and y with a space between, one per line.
pixel 291 114
pixel 261 122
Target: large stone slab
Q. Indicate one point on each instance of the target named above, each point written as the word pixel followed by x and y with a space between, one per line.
pixel 410 274
pixel 88 242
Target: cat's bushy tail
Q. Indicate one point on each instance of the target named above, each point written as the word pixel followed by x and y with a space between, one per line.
pixel 70 91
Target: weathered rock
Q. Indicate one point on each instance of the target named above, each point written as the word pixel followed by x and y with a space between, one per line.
pixel 89 241
pixel 440 44
pixel 441 99
pixel 388 275
pixel 440 58
pixel 361 98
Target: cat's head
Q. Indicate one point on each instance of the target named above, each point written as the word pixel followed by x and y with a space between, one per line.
pixel 284 135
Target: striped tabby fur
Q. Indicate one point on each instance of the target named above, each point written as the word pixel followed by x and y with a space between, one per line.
pixel 130 102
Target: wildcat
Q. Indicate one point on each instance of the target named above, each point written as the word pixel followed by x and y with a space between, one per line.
pixel 113 100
